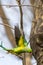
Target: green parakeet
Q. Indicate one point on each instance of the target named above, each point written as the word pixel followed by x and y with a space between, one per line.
pixel 21 44
pixel 18 49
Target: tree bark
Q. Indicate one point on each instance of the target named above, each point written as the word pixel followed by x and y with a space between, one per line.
pixel 36 36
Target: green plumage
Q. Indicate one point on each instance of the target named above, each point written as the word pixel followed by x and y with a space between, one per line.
pixel 22 45
pixel 18 50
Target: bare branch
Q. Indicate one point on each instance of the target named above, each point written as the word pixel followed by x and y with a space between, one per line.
pixel 7 25
pixel 23 6
pixel 21 17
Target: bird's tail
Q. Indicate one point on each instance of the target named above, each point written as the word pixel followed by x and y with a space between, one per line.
pixel 3 46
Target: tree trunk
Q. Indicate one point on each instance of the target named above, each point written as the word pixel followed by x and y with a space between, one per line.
pixel 36 36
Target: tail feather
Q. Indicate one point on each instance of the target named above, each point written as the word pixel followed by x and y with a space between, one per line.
pixel 2 46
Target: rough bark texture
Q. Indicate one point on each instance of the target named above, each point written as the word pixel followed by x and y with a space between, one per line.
pixel 36 36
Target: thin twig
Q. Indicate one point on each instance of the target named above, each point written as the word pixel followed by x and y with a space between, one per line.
pixel 7 25
pixel 23 1
pixel 21 18
pixel 23 6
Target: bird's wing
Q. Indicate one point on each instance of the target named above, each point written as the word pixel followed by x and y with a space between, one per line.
pixel 20 40
pixel 17 34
